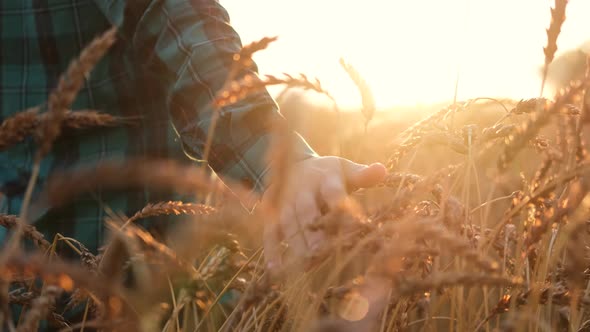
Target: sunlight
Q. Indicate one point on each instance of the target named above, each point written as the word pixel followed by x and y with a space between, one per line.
pixel 410 52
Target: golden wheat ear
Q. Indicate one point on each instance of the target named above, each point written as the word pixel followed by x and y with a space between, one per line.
pixel 529 129
pixel 557 19
pixel 367 97
pixel 243 59
pixel 16 128
pixel 30 232
pixel 250 84
pixel 170 207
pixel 61 99
pixel 246 53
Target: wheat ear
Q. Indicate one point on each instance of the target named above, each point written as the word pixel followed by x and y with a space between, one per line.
pixel 69 85
pixel 11 221
pixel 242 60
pixel 244 57
pixel 170 207
pixel 16 128
pixel 59 102
pixel 557 19
pixel 249 84
pixel 367 97
pixel 529 129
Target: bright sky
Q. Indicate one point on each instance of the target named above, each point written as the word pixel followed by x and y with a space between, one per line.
pixel 410 51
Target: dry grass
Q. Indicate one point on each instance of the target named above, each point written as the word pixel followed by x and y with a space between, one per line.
pixel 494 237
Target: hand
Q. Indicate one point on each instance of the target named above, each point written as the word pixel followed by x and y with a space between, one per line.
pixel 312 184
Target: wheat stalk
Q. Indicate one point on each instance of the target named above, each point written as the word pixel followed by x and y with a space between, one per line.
pixel 89 260
pixel 579 171
pixel 15 128
pixel 431 229
pixel 208 270
pixel 528 105
pixel 577 261
pixel 412 136
pixel 136 233
pixel 59 102
pixel 529 129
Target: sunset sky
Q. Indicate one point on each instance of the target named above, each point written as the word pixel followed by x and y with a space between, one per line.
pixel 410 51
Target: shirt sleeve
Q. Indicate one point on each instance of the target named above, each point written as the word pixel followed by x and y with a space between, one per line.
pixel 194 40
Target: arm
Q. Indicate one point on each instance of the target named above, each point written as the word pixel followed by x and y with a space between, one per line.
pixel 195 42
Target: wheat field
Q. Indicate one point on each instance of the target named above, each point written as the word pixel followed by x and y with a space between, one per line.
pixel 482 223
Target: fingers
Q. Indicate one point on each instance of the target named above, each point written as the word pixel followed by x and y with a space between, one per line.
pixel 302 241
pixel 294 222
pixel 320 181
pixel 363 176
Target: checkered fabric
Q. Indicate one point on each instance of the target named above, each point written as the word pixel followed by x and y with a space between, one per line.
pixel 170 59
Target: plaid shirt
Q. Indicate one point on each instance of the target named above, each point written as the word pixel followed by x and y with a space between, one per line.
pixel 170 59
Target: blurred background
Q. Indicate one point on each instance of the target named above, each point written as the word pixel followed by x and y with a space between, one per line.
pixel 410 52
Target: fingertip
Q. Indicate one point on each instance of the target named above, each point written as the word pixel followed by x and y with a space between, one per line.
pixel 380 171
pixel 369 176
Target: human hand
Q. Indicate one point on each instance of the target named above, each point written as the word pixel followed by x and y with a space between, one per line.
pixel 313 186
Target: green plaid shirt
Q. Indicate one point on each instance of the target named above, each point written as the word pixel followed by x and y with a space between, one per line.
pixel 171 58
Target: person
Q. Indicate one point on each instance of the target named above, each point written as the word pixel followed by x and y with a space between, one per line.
pixel 170 59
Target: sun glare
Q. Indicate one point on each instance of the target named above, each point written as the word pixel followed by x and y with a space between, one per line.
pixel 410 52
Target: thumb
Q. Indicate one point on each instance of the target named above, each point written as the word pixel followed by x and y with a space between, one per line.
pixel 364 176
